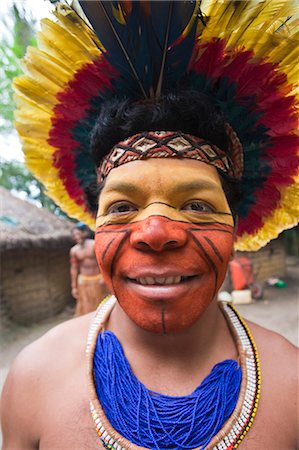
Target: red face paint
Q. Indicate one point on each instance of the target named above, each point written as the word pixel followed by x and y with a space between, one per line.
pixel 136 257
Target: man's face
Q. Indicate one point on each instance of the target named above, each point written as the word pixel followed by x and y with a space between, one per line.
pixel 78 236
pixel 163 240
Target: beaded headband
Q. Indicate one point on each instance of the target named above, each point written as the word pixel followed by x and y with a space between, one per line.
pixel 174 144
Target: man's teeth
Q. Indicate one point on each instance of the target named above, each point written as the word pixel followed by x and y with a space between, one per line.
pixel 159 280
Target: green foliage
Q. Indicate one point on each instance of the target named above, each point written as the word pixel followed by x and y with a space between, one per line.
pixel 18 35
pixel 15 177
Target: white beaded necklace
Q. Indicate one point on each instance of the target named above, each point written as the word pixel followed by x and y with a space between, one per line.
pixel 234 430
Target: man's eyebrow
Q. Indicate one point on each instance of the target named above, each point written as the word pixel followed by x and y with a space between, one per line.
pixel 121 186
pixel 184 186
pixel 196 185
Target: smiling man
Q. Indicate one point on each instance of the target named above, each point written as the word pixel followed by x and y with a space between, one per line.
pixel 188 162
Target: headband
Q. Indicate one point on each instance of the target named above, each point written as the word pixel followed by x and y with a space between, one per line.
pixel 173 144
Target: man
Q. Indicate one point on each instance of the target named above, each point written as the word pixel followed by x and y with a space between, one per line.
pixel 167 318
pixel 88 287
pixel 168 367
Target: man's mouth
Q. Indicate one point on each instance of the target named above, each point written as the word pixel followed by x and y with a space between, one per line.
pixel 161 281
pixel 154 287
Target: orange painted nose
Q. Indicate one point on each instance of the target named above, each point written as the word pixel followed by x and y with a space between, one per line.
pixel 158 234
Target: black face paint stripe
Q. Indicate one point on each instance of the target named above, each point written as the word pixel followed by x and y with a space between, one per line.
pixel 172 220
pixel 120 245
pixel 110 231
pixel 208 259
pixel 126 234
pixel 214 248
pixel 211 229
pixel 107 248
pixel 220 213
pixel 110 242
pixel 159 203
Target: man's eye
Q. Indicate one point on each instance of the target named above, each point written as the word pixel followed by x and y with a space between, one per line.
pixel 121 208
pixel 198 206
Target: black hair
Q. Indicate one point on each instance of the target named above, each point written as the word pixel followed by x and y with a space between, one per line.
pixel 187 111
pixel 80 226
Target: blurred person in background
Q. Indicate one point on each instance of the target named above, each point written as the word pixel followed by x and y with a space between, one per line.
pixel 88 286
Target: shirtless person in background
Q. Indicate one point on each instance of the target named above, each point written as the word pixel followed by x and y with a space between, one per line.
pixel 88 286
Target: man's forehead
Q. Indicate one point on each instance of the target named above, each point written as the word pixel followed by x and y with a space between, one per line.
pixel 175 174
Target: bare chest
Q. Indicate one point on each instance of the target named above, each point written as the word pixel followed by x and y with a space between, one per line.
pixel 80 434
pixel 83 253
pixel 67 421
pixel 71 426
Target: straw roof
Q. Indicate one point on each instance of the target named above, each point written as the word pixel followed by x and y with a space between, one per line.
pixel 24 225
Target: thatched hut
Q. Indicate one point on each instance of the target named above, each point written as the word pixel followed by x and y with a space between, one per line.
pixel 34 246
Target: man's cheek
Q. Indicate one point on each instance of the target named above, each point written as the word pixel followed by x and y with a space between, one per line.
pixel 215 246
pixel 108 244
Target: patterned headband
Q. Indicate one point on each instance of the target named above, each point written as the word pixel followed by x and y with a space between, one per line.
pixel 174 144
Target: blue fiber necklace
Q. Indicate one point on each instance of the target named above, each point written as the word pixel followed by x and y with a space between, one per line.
pixel 155 421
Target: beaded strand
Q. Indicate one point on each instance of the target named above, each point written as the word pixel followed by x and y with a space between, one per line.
pixel 245 419
pixel 236 428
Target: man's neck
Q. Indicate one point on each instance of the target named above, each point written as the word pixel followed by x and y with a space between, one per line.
pixel 200 347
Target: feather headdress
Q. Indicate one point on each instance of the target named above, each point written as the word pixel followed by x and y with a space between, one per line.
pixel 242 54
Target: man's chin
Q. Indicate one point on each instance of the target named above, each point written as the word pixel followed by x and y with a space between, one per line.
pixel 160 317
pixel 167 327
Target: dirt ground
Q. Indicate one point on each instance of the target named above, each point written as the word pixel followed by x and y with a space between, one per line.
pixel 277 311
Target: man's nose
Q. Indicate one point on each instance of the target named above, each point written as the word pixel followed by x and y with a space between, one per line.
pixel 158 234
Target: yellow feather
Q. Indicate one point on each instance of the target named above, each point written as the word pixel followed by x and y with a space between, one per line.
pixel 192 19
pixel 290 58
pixel 66 46
pixel 48 175
pixel 38 128
pixel 118 14
pixel 39 93
pixel 285 217
pixel 244 23
pixel 70 21
pixel 32 106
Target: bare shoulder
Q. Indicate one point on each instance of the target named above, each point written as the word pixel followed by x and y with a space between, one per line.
pixel 90 243
pixel 67 339
pixel 273 346
pixel 36 371
pixel 74 249
pixel 278 356
pixel 279 389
